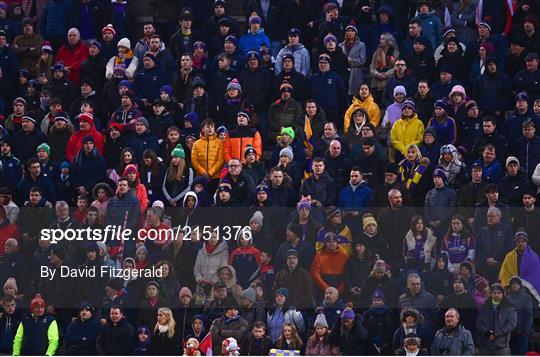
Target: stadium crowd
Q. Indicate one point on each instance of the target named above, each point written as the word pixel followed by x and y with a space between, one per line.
pixel 330 177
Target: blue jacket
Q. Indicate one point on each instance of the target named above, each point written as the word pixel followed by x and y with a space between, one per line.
pixel 490 173
pixel 431 28
pixel 355 198
pixel 149 81
pixel 54 22
pixel 11 172
pixel 87 170
pixel 24 146
pixel 446 131
pixel 328 91
pixel 119 207
pixel 44 183
pixel 81 337
pixel 493 241
pixel 139 143
pixel 440 205
pixel 8 329
pixel 251 41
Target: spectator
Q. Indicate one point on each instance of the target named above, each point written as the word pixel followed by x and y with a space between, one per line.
pixel 400 78
pixel 320 186
pixel 48 342
pixel 462 302
pixel 349 333
pixel 183 39
pixel 490 163
pixel 527 78
pixel 328 89
pixel 408 130
pixel 117 336
pixel 494 334
pixel 518 297
pixel 431 24
pixel 355 50
pixel 300 55
pixel 255 37
pixel 453 339
pixel 326 274
pixel 525 218
pixel 82 332
pixel 296 280
pixel 417 297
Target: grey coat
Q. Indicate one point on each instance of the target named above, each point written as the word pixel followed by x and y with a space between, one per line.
pixel 357 58
pixel 455 343
pixel 502 321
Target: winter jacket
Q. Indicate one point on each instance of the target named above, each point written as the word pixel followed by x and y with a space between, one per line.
pixel 116 339
pixel 206 264
pixel 511 188
pixel 237 141
pixel 352 342
pixel 385 284
pixel 73 57
pixel 357 58
pixel 528 81
pixel 409 244
pixel 328 90
pixel 322 189
pixel 36 335
pixel 44 183
pixel 54 20
pixel 299 283
pixel 224 327
pixel 131 62
pixel 283 114
pixel 207 155
pixel 512 125
pixel 501 320
pixel 301 58
pixel 431 28
pixel 327 269
pixel 424 302
pixel 75 143
pixel 405 132
pixel 245 260
pixel 88 170
pixel 253 41
pixel 148 82
pixel 355 198
pixel 524 309
pixel 528 153
pixel 453 343
pixel 24 145
pixel 81 336
pixel 162 344
pixel 493 241
pixel 28 48
pixel 491 172
pixel 440 205
pixel 493 92
pixel 11 172
pixel 121 206
pixel 409 82
pixel 140 142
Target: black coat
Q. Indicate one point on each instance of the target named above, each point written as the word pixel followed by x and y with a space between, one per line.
pixel 163 345
pixel 116 339
pixel 353 342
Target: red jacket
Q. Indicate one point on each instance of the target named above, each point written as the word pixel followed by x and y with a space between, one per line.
pixel 327 269
pixel 73 57
pixel 75 142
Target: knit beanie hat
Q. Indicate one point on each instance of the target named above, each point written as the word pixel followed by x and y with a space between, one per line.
pixel 124 42
pixel 400 89
pixel 303 204
pixel 320 321
pixel 253 19
pixel 368 219
pixel 377 294
pixel 329 38
pixel 287 151
pixel 87 117
pixel 497 287
pixel 178 151
pixel 249 294
pixel 143 121
pixel 521 234
pixel 109 28
pixel 282 291
pixel 37 301
pixel 45 147
pixel 348 314
pixel 249 150
pixel 289 131
pixel 234 85
pixel 167 89
pixel 257 217
pixel 46 47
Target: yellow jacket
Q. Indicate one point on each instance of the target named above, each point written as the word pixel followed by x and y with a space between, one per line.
pixel 369 105
pixel 405 132
pixel 207 156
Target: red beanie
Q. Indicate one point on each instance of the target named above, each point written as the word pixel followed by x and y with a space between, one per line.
pixel 87 117
pixel 37 301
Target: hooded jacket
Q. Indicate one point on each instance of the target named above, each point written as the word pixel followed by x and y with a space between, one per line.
pixel 237 141
pixel 301 58
pixel 141 193
pixel 73 57
pixel 405 132
pixel 253 41
pixel 245 260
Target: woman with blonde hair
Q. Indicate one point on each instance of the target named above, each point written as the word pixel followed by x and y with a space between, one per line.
pixel 413 172
pixel 164 341
pixel 178 178
pixel 382 63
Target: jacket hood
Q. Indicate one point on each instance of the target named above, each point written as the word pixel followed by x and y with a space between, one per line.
pixel 387 9
pixel 191 194
pixel 232 281
pixel 131 166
